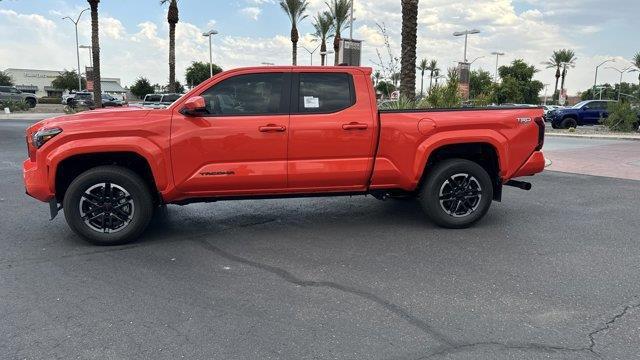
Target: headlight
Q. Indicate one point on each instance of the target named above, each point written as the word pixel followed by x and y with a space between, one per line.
pixel 43 135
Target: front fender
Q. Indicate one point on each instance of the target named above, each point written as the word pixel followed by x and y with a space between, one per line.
pixel 141 146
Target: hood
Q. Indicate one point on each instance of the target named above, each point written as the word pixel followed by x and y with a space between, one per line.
pixel 131 113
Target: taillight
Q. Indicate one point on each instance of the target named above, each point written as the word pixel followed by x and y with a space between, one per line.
pixel 540 122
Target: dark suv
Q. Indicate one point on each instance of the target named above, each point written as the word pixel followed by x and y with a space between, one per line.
pixel 13 94
pixel 588 112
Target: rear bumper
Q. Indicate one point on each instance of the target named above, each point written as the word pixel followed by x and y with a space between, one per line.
pixel 36 181
pixel 533 165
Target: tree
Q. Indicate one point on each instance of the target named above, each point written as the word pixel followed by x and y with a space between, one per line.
pixel 446 96
pixel 95 53
pixel 339 10
pixel 172 19
pixel 179 88
pixel 376 77
pixel 408 48
pixel 422 67
pixel 636 62
pixel 395 77
pixel 323 24
pixel 517 84
pixel 480 83
pixel 141 87
pixel 568 58
pixel 5 79
pixel 555 61
pixel 433 68
pixel 295 10
pixel 68 80
pixel 198 72
pixel 385 88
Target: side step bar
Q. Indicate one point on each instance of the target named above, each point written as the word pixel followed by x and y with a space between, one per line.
pixel 519 184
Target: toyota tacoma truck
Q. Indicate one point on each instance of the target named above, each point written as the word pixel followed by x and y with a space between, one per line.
pixel 274 132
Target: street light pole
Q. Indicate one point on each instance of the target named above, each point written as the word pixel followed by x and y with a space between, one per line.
pixel 466 33
pixel 75 23
pixel 627 69
pixel 325 53
pixel 595 80
pixel 209 34
pixel 474 60
pixel 546 86
pixel 497 54
pixel 310 52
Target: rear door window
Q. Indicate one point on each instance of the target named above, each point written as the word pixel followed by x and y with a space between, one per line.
pixel 325 92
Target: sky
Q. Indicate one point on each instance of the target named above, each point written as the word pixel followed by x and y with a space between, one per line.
pixel 134 34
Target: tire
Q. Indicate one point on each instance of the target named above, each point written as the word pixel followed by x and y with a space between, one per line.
pixel 466 207
pixel 554 126
pixel 31 102
pixel 568 123
pixel 127 217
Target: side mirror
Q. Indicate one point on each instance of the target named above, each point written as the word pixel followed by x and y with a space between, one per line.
pixel 194 105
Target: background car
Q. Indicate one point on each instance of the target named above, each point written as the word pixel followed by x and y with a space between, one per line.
pixel 588 112
pixel 110 101
pixel 11 93
pixel 159 101
pixel 82 99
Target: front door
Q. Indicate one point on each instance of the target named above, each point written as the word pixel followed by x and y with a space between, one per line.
pixel 331 138
pixel 239 146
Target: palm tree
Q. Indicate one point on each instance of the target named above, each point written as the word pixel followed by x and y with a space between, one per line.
pixel 95 53
pixel 395 77
pixel 172 19
pixel 556 61
pixel 436 74
pixel 568 61
pixel 422 67
pixel 433 67
pixel 408 48
pixel 323 23
pixel 376 77
pixel 295 11
pixel 339 10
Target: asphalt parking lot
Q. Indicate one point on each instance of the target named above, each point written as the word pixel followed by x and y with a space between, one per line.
pixel 550 273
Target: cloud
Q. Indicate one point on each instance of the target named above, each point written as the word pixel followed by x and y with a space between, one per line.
pixel 251 12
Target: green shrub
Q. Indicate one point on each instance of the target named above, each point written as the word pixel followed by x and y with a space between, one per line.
pixel 14 105
pixel 401 104
pixel 622 117
pixel 50 100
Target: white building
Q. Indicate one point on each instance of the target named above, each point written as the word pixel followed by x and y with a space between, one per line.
pixel 39 82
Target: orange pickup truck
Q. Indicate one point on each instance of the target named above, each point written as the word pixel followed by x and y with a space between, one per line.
pixel 274 131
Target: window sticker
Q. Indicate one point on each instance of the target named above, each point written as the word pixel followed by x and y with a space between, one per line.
pixel 311 102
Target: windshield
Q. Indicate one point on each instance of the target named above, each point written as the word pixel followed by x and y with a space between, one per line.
pixel 580 104
pixel 83 96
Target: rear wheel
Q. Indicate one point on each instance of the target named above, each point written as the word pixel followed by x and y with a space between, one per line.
pixel 569 123
pixel 31 102
pixel 456 193
pixel 108 205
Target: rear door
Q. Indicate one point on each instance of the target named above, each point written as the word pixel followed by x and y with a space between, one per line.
pixel 331 138
pixel 240 145
pixel 592 112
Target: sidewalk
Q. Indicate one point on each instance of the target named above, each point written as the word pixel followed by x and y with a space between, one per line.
pixel 612 136
pixel 28 116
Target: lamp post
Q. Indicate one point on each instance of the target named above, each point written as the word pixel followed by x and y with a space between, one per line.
pixel 75 23
pixel 546 86
pixel 595 80
pixel 209 34
pixel 466 33
pixel 90 57
pixel 627 69
pixel 474 60
pixel 497 54
pixel 310 52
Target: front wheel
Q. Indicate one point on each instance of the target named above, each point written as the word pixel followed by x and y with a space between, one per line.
pixel 456 193
pixel 31 102
pixel 108 205
pixel 569 123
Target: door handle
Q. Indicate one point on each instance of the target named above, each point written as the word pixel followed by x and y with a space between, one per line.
pixel 272 128
pixel 355 126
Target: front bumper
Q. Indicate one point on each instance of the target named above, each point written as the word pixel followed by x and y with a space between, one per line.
pixel 36 181
pixel 532 166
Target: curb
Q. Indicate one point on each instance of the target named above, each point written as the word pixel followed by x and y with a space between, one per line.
pixel 29 116
pixel 596 136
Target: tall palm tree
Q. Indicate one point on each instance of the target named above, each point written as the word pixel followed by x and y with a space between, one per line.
pixel 395 77
pixel 408 48
pixel 555 61
pixel 433 67
pixel 568 58
pixel 172 19
pixel 295 10
pixel 323 23
pixel 95 53
pixel 339 10
pixel 436 74
pixel 424 65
